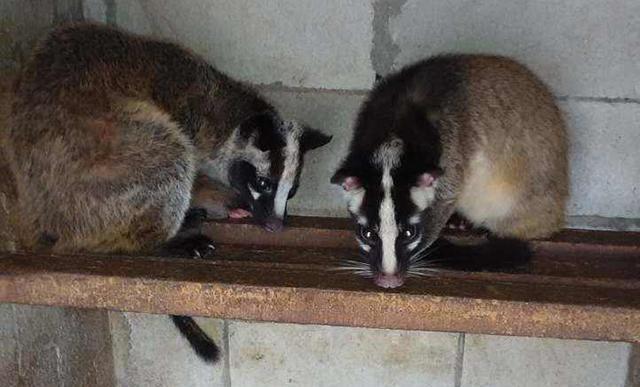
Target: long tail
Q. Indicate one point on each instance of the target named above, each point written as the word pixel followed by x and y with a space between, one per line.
pixel 199 340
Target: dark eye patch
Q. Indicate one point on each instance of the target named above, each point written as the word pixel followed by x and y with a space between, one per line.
pixel 409 233
pixel 368 234
pixel 241 173
pixel 264 185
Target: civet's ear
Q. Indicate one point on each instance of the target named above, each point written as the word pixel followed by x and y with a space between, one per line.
pixel 428 179
pixel 312 139
pixel 346 180
pixel 423 192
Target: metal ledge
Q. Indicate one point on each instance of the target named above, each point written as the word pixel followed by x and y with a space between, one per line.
pixel 581 285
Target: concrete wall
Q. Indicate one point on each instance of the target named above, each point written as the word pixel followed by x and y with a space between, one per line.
pixel 316 60
pixel 62 347
pixel 23 22
pixel 45 347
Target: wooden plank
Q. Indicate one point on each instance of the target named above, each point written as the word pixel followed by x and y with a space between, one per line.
pixel 582 285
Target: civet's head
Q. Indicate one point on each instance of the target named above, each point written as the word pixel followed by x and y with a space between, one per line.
pixel 389 179
pixel 263 160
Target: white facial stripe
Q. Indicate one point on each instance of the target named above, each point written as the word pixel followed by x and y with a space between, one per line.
pixel 364 246
pixel 280 201
pixel 415 219
pixel 236 148
pixel 291 154
pixel 414 244
pixel 254 194
pixel 388 228
pixel 354 200
pixel 388 157
pixel 259 159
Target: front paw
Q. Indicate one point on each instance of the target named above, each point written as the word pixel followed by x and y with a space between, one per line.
pixel 194 218
pixel 196 246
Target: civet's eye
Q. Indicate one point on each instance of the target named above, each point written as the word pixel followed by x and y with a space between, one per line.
pixel 264 185
pixel 409 233
pixel 367 233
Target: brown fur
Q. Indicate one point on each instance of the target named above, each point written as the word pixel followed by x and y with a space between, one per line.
pixel 504 132
pixel 7 182
pixel 107 132
pixel 215 198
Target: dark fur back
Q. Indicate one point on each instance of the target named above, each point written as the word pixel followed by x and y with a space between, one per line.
pixel 86 65
pixel 408 105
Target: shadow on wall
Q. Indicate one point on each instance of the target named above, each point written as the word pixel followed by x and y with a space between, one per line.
pixel 23 23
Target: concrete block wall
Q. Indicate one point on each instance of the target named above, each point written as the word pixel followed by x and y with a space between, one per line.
pixel 316 61
pixel 44 347
pixel 41 346
pixel 330 52
pixel 22 23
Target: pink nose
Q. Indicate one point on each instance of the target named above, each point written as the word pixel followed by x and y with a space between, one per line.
pixel 274 225
pixel 388 281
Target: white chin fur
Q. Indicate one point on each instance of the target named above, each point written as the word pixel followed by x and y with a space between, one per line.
pixel 412 246
pixel 354 199
pixel 422 197
pixel 364 247
pixel 254 194
pixel 235 148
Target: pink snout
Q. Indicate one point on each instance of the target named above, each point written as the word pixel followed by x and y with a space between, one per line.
pixel 388 281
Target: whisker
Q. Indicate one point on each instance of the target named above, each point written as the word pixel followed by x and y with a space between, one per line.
pixel 426 270
pixel 352 263
pixel 344 268
pixel 355 267
pixel 428 262
pixel 423 253
pixel 423 272
pixel 361 272
pixel 413 275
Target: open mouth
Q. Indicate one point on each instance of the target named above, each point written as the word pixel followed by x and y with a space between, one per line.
pixel 240 210
pixel 239 213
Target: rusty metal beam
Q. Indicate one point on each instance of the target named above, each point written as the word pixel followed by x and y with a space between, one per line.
pixel 581 285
